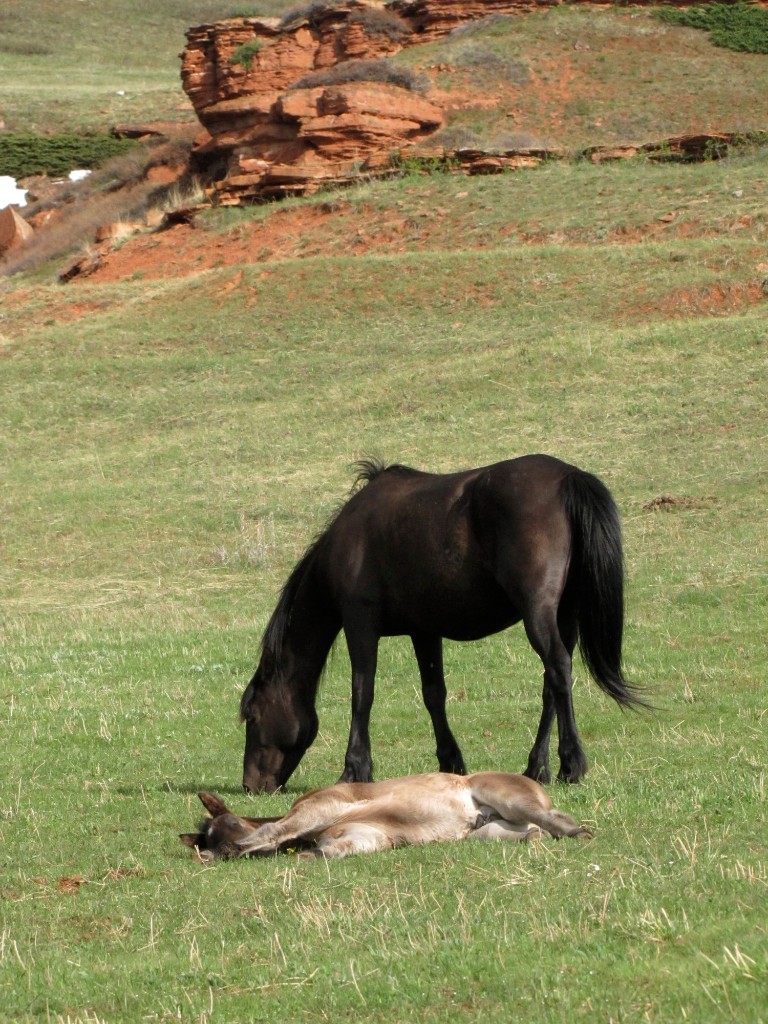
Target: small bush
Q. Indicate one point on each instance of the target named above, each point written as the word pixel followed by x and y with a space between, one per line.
pixel 311 13
pixel 736 26
pixel 23 154
pixel 408 164
pixel 244 54
pixel 378 21
pixel 365 71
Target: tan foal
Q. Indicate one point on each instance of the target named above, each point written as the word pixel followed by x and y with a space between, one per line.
pixel 363 817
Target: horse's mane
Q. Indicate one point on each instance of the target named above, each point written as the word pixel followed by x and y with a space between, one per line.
pixel 366 470
pixel 274 634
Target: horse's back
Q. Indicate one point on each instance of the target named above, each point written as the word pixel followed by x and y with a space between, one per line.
pixel 439 553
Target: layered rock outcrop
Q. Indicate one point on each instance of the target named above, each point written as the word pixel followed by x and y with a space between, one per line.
pixel 327 133
pixel 432 19
pixel 271 132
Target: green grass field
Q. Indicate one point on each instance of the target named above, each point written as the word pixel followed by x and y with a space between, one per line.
pixel 94 63
pixel 169 446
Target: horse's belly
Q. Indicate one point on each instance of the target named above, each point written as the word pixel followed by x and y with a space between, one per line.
pixel 455 616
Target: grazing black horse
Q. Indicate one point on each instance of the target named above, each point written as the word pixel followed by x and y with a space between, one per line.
pixel 460 555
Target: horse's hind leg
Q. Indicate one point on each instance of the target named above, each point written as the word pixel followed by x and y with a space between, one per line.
pixel 500 829
pixel 543 627
pixel 429 655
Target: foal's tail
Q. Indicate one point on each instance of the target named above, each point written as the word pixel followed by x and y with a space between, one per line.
pixel 597 568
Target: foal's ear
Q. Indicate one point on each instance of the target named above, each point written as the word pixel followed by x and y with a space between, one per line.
pixel 213 804
pixel 192 839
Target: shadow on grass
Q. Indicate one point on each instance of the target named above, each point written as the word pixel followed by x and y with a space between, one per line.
pixel 197 787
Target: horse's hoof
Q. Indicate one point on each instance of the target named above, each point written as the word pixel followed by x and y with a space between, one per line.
pixel 356 776
pixel 539 773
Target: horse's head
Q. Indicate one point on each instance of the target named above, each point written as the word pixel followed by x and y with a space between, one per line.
pixel 278 732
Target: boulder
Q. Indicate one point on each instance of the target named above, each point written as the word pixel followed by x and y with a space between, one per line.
pixel 14 230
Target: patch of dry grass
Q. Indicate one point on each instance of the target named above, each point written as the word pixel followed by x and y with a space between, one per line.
pixel 120 192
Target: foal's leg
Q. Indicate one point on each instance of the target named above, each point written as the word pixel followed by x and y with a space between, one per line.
pixel 307 819
pixel 429 655
pixel 362 643
pixel 350 838
pixel 501 829
pixel 555 651
pixel 521 803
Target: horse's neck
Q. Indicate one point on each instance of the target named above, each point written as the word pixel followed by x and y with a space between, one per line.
pixel 309 634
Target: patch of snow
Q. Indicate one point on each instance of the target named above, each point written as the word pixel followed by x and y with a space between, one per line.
pixel 10 193
pixel 78 175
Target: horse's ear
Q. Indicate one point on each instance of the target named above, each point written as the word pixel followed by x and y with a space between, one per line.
pixel 213 804
pixel 193 839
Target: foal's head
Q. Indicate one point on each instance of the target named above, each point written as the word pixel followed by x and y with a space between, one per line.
pixel 217 837
pixel 278 731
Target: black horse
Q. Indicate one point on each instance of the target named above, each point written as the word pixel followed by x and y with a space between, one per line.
pixel 460 555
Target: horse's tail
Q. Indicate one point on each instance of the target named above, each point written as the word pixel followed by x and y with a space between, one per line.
pixel 597 571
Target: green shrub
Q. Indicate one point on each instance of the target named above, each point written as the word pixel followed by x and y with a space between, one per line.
pixel 378 21
pixel 244 54
pixel 24 153
pixel 736 26
pixel 408 164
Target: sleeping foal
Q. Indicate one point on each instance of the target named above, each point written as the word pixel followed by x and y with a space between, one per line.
pixel 363 817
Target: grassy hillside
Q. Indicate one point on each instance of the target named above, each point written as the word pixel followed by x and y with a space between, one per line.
pixel 578 75
pixel 573 76
pixel 91 63
pixel 174 431
pixel 169 447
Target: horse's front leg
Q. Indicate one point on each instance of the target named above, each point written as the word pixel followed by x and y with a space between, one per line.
pixel 362 644
pixel 429 655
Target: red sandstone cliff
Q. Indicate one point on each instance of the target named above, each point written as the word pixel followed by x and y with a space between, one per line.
pixel 270 137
